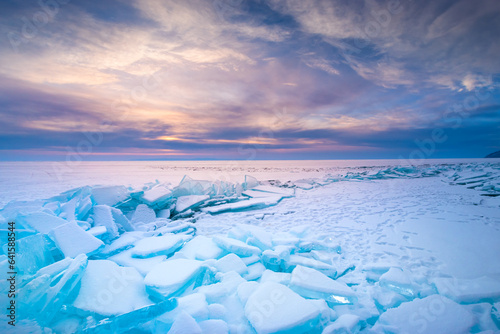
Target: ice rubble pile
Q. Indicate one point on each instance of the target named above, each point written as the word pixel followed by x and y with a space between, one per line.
pixel 484 177
pixel 109 259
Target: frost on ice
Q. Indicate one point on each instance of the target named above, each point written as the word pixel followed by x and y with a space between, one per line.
pixel 113 259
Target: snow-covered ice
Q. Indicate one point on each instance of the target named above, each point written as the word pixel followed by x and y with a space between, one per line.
pixel 274 308
pixel 108 289
pixel 72 240
pixel 377 248
pixel 311 283
pixel 172 277
pixel 434 314
pixel 162 245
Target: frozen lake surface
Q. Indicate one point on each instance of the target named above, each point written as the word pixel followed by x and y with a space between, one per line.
pixel 254 247
pixel 35 180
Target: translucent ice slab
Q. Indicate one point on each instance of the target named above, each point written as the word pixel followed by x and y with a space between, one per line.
pixel 162 245
pixel 311 283
pixel 171 277
pixel 32 253
pixel 274 308
pixel 108 289
pixel 72 240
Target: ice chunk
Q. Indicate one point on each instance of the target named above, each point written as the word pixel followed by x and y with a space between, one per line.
pixel 201 248
pixel 255 271
pixel 68 209
pixel 83 207
pixel 346 323
pixel 163 245
pixel 72 240
pixel 194 304
pixel 495 313
pixel 185 214
pixel 143 215
pixel 32 253
pixel 296 260
pixel 214 326
pixel 252 235
pixel 217 311
pixel 483 289
pixel 130 321
pixel 386 299
pixel 188 186
pixel 15 211
pixel 165 213
pixel 311 283
pixel 44 296
pixel 85 225
pixel 156 227
pixel 315 245
pixel 172 277
pixel 58 295
pixel 108 289
pixel 435 314
pixel 274 308
pixel 98 231
pixel 250 182
pixel 397 280
pixel 103 217
pixel 109 195
pixel 374 271
pixel 231 262
pixel 483 318
pixel 185 324
pixel 171 227
pixel 157 196
pixel 143 265
pixel 40 221
pixel 121 220
pixel 271 276
pixel 245 290
pixel 276 258
pixel 66 325
pixel 217 292
pixel 126 240
pixel 235 246
pixel 189 202
pixel 54 206
pixel 249 204
pixel 248 260
pixel 52 269
pixel 379 268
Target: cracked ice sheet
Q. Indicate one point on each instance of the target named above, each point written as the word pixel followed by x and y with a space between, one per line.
pixel 423 224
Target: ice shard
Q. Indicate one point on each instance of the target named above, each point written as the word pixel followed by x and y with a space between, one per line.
pixel 72 240
pixel 311 283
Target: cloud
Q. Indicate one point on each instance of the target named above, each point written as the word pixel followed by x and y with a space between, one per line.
pixel 420 43
pixel 198 78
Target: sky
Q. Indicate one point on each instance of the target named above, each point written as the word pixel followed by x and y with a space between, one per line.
pixel 249 79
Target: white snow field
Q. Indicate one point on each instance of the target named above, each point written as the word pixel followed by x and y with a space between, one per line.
pixel 252 247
